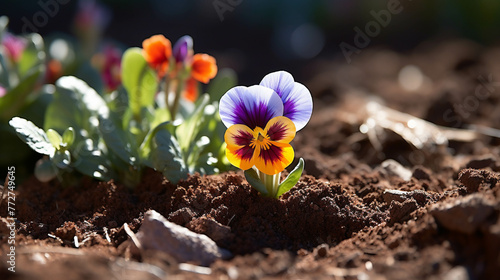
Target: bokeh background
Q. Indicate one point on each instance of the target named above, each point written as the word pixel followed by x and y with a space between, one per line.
pixel 255 37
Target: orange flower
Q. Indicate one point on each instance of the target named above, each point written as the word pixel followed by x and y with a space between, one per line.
pixel 54 71
pixel 203 67
pixel 157 50
pixel 191 91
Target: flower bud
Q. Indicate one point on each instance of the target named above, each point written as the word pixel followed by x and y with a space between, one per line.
pixel 183 48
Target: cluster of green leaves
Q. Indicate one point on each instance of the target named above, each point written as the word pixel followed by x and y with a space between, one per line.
pixel 116 136
pixel 24 96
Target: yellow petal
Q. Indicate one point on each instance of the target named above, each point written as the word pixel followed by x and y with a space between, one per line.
pixel 241 157
pixel 238 135
pixel 274 160
pixel 280 129
pixel 238 138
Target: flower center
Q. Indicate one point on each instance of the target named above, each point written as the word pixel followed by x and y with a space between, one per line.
pixel 260 139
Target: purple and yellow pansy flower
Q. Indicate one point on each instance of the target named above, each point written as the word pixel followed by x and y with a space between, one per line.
pixel 262 120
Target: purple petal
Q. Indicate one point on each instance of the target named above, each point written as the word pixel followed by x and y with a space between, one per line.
pixel 281 82
pixel 298 105
pixel 296 98
pixel 252 106
pixel 182 47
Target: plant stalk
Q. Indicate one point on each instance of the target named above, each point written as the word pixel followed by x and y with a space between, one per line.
pixel 167 91
pixel 271 182
pixel 178 93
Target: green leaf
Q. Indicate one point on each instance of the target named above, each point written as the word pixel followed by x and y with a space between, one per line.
pixel 145 148
pixel 33 55
pixel 15 98
pixel 54 138
pixel 225 80
pixel 75 105
pixel 4 72
pixel 61 159
pixel 161 115
pixel 205 164
pixel 254 181
pixel 197 158
pixel 188 130
pixel 91 161
pixel 35 137
pixel 213 128
pixel 93 166
pixel 118 141
pixel 68 136
pixel 138 79
pixel 291 179
pixel 118 102
pixel 166 155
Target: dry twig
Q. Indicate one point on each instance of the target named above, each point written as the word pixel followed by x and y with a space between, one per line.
pixel 375 118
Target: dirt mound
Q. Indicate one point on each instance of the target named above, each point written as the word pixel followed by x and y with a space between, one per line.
pixel 355 213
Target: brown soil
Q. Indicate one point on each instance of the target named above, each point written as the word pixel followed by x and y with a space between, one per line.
pixel 344 219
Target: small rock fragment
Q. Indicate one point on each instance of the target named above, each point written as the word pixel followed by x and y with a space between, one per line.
pixel 182 216
pixel 420 196
pixel 390 195
pixel 481 163
pixel 68 231
pixel 156 233
pixel 471 179
pixel 400 212
pixel 421 173
pixel 475 179
pixel 211 228
pixel 464 214
pixel 321 251
pixel 394 168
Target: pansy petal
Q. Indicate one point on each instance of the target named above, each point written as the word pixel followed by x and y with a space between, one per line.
pixel 281 82
pixel 296 97
pixel 241 157
pixel 239 153
pixel 280 129
pixel 238 135
pixel 298 105
pixel 274 159
pixel 252 106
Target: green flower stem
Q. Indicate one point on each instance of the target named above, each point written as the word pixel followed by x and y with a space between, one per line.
pixel 178 93
pixel 271 182
pixel 167 91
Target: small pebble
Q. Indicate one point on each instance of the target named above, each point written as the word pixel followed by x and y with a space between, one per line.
pixel 322 250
